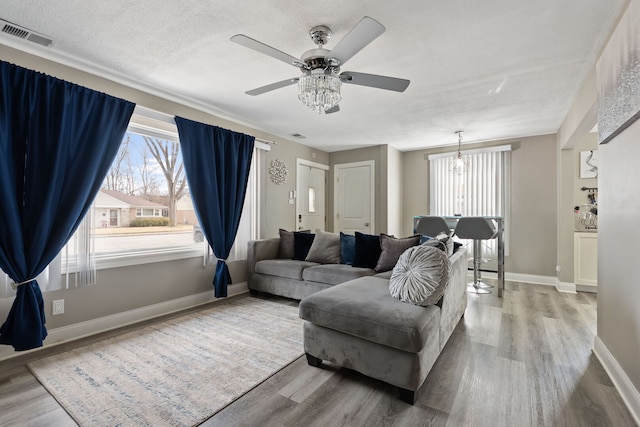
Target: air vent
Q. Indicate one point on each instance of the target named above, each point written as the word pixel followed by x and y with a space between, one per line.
pixel 24 33
pixel 297 135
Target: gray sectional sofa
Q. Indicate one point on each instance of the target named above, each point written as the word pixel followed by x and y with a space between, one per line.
pixel 295 279
pixel 352 320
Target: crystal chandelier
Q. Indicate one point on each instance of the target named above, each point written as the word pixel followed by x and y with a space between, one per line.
pixel 319 90
pixel 459 163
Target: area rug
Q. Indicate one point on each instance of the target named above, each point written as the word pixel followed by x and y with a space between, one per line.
pixel 175 373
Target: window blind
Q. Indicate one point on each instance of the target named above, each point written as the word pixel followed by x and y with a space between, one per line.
pixel 482 190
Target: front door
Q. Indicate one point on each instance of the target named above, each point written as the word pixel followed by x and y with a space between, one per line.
pixel 354 199
pixel 310 188
pixel 113 217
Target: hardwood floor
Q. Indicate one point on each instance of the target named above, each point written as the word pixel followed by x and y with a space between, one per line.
pixel 521 360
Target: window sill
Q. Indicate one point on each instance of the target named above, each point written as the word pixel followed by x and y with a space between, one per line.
pixel 126 259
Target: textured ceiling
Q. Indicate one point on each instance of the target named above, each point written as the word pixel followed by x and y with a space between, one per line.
pixel 495 69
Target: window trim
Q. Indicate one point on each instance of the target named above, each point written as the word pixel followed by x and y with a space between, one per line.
pixel 127 259
pixel 143 121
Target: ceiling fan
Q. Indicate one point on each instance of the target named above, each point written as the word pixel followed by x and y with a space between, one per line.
pixel 321 79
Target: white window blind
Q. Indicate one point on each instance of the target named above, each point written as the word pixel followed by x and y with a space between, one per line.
pixel 482 190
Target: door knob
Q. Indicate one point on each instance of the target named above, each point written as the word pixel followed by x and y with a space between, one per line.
pixel 366 224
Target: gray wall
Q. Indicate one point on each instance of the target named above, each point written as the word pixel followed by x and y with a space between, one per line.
pixel 533 200
pixel 395 192
pixel 276 211
pixel 566 203
pixel 618 237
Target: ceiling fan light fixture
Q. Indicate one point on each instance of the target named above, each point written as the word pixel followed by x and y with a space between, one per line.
pixel 319 91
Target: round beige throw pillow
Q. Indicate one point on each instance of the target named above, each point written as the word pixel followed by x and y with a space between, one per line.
pixel 420 276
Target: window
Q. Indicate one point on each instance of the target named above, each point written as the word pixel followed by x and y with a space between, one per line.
pixel 143 212
pixel 152 223
pixel 482 190
pixel 152 212
pixel 135 219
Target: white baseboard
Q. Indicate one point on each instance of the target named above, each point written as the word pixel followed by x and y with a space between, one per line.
pixel 522 278
pixel 91 327
pixel 566 287
pixel 630 395
pixel 587 288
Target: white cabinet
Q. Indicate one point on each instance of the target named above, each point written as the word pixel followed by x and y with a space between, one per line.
pixel 585 261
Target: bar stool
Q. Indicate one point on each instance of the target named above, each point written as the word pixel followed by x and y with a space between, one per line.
pixel 432 226
pixel 477 228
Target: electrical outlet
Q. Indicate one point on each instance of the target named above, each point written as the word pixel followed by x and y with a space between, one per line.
pixel 57 307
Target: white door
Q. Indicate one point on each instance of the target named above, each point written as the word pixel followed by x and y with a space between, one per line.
pixel 310 206
pixel 354 197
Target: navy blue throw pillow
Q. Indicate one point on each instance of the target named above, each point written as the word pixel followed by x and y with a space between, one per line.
pixel 301 244
pixel 367 250
pixel 347 248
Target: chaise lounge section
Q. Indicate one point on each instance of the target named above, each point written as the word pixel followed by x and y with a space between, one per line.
pixel 360 326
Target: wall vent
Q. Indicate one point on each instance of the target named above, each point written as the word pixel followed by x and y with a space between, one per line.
pixel 24 33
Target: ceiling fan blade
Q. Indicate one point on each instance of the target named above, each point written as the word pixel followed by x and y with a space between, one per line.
pixel 266 49
pixel 364 32
pixel 272 86
pixel 373 80
pixel 332 110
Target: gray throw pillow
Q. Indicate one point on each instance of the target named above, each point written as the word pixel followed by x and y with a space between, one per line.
pixel 325 248
pixel 420 276
pixel 285 247
pixel 392 248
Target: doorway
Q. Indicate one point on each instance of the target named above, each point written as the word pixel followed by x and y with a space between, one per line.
pixel 311 181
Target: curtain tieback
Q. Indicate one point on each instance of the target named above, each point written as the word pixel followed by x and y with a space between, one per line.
pixel 15 285
pixel 222 259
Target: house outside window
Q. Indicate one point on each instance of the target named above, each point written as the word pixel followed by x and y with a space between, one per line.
pixel 136 218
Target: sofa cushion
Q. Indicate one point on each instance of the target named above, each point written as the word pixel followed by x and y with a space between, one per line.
pixel 334 274
pixel 391 249
pixel 288 268
pixel 364 308
pixel 301 244
pixel 325 248
pixel 347 248
pixel 421 276
pixel 367 250
pixel 384 274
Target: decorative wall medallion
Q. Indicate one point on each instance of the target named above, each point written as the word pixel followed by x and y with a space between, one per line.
pixel 278 172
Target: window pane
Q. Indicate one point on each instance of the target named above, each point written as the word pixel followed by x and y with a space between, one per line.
pixel 312 199
pixel 135 210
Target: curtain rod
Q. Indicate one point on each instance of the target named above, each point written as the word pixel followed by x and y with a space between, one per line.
pixel 266 141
